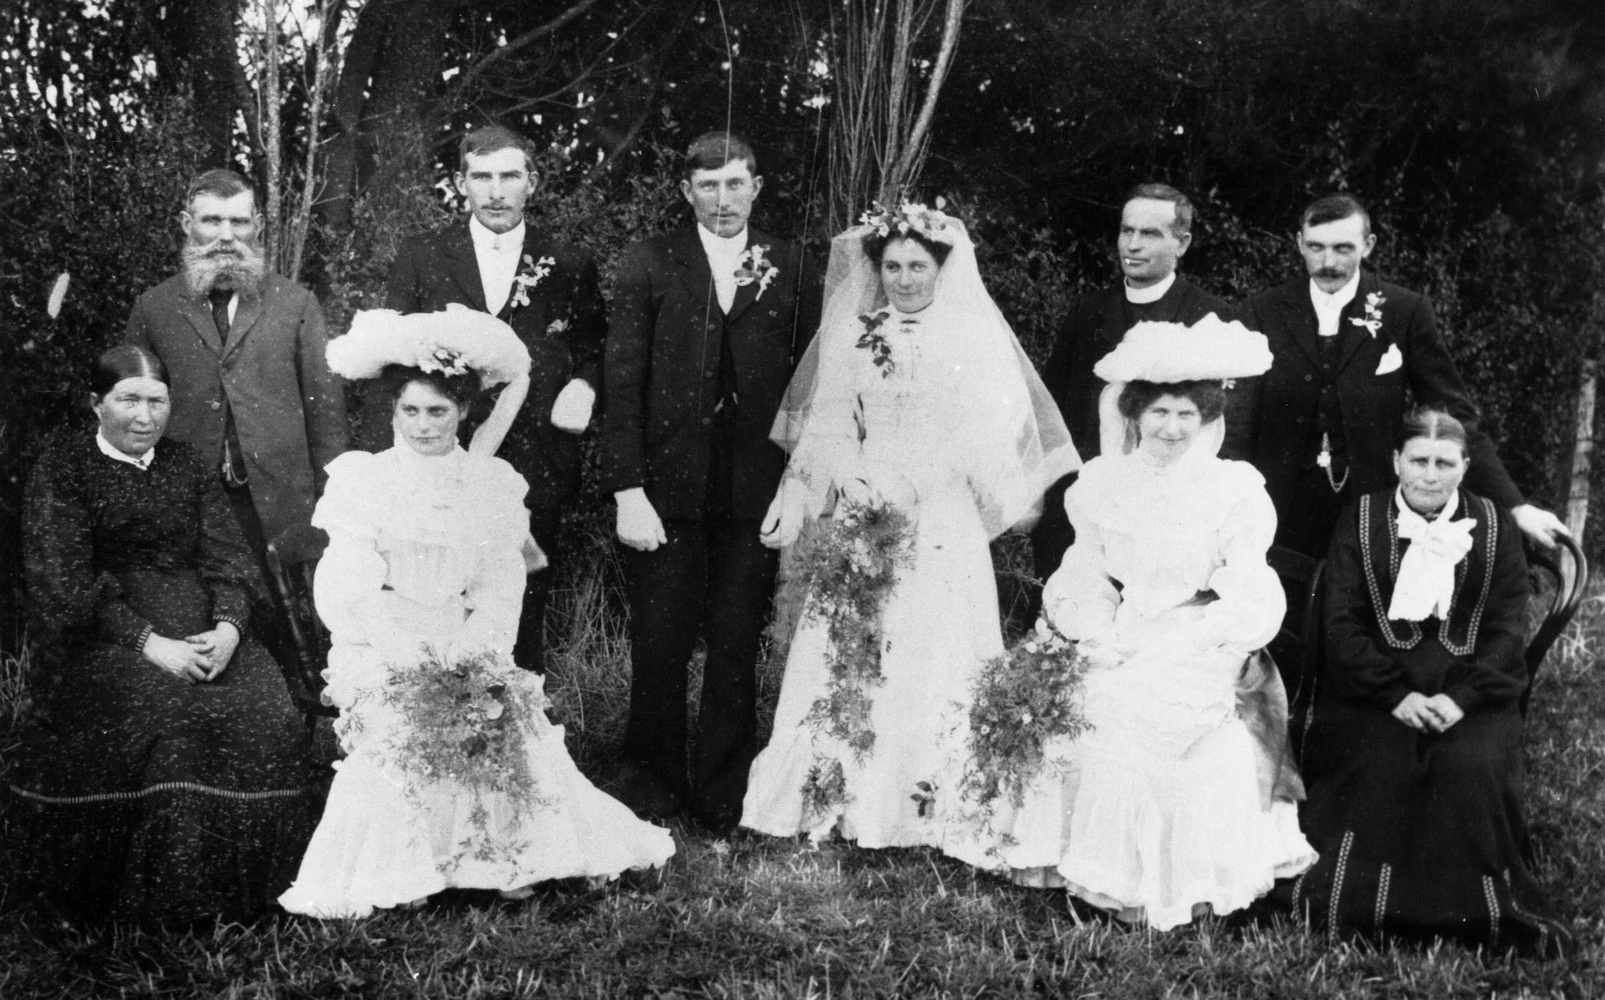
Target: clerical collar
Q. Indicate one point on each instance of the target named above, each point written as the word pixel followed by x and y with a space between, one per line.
pixel 722 247
pixel 1338 299
pixel 111 451
pixel 1153 293
pixel 484 239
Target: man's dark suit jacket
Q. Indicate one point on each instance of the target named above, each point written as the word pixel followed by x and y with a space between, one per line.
pixel 1282 404
pixel 289 411
pixel 562 325
pixel 1094 326
pixel 662 371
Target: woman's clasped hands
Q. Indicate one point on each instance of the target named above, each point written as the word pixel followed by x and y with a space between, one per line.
pixel 197 658
pixel 1434 714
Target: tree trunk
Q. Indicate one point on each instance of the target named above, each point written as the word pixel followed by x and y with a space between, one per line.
pixel 1582 453
pixel 199 37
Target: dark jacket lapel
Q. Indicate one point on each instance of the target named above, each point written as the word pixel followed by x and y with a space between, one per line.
pixel 747 294
pixel 1357 336
pixel 1298 312
pixel 198 310
pixel 245 317
pixel 691 263
pixel 462 264
pixel 1113 327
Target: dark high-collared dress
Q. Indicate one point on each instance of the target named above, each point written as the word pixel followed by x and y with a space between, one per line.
pixel 136 794
pixel 1422 834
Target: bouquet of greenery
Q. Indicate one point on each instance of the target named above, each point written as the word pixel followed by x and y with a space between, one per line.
pixel 1022 700
pixel 461 720
pixel 849 566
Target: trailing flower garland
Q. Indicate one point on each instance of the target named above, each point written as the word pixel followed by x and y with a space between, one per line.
pixel 850 566
pixel 1023 699
pixel 460 720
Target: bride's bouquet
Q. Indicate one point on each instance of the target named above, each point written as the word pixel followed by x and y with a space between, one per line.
pixel 1023 699
pixel 460 718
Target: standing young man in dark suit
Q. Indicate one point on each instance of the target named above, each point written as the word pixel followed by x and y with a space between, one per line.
pixel 707 325
pixel 1350 351
pixel 1155 231
pixel 251 389
pixel 546 290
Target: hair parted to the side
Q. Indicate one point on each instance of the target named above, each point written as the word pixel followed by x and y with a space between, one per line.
pixel 1206 394
pixel 875 245
pixel 1164 192
pixel 1333 207
pixel 489 139
pixel 125 361
pixel 460 389
pixel 1434 425
pixel 712 150
pixel 220 183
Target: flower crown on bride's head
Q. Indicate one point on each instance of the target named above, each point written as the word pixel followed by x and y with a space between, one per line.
pixel 931 223
pixel 455 340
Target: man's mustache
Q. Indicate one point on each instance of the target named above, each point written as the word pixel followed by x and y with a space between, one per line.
pixel 1328 272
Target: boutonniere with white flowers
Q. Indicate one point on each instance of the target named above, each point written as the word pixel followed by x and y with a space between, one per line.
pixel 752 266
pixel 529 275
pixel 1373 314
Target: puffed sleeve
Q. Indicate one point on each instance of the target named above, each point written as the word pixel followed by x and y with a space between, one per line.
pixel 828 451
pixel 1360 669
pixel 1495 674
pixel 996 408
pixel 224 561
pixel 1080 598
pixel 496 590
pixel 346 587
pixel 66 594
pixel 1251 601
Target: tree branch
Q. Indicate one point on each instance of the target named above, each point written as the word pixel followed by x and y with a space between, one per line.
pixel 473 72
pixel 944 62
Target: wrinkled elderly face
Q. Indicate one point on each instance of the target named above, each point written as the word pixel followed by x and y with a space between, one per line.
pixel 1429 471
pixel 1149 245
pixel 1168 427
pixel 1333 250
pixel 908 274
pixel 220 225
pixel 427 420
pixel 722 199
pixel 497 184
pixel 133 414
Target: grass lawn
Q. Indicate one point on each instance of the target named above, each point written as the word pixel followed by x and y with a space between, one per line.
pixel 756 917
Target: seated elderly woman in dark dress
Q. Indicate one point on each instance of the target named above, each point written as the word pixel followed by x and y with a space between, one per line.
pixel 163 775
pixel 1414 759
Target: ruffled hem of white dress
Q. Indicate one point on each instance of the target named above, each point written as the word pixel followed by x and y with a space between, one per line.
pixel 378 847
pixel 1152 842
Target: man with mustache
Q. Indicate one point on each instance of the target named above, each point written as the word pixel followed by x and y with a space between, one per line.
pixel 546 289
pixel 1349 348
pixel 251 390
pixel 1155 231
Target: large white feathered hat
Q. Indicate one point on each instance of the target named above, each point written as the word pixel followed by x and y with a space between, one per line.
pixel 453 340
pixel 1173 352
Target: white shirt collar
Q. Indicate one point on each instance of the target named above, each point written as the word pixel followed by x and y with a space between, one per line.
pixel 1153 293
pixel 722 247
pixel 486 241
pixel 110 451
pixel 1329 308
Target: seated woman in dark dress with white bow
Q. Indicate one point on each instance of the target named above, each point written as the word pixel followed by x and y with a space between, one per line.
pixel 1414 757
pixel 163 775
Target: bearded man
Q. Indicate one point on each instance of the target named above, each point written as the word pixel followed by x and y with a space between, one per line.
pixel 251 390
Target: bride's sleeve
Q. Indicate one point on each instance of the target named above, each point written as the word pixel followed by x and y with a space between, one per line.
pixel 996 407
pixel 1251 601
pixel 496 590
pixel 827 452
pixel 347 583
pixel 1080 598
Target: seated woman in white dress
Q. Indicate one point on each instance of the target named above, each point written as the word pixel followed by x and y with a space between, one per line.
pixel 1168 804
pixel 425 544
pixel 915 395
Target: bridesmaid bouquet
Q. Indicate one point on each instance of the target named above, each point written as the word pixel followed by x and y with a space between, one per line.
pixel 1022 700
pixel 459 719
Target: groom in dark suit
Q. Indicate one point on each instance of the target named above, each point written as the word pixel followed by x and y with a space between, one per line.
pixel 1350 351
pixel 1155 231
pixel 546 290
pixel 707 326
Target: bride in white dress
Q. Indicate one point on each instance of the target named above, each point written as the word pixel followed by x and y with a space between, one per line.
pixel 426 546
pixel 917 395
pixel 1172 801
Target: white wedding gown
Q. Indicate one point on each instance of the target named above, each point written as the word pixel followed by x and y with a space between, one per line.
pixel 927 438
pixel 1166 802
pixel 427 550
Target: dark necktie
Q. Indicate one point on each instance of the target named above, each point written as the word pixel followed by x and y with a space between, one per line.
pixel 220 299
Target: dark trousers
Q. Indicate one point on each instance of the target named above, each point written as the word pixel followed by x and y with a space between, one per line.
pixel 1307 510
pixel 267 617
pixel 713 578
pixel 529 649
